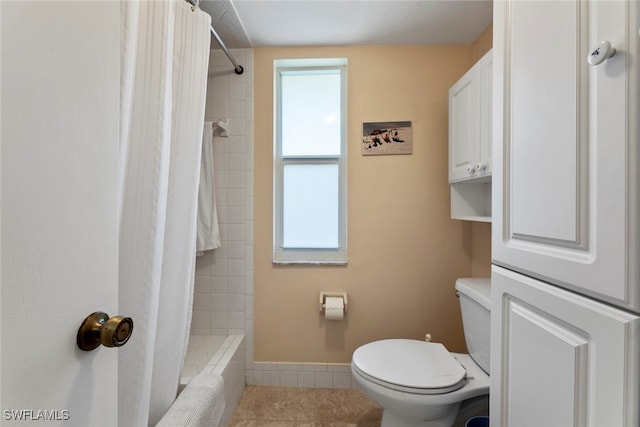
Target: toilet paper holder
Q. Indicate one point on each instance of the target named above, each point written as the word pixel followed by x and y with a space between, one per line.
pixel 324 295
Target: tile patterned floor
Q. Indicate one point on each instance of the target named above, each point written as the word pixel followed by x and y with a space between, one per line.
pixel 305 407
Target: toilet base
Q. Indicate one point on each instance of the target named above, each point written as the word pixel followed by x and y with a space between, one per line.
pixel 391 419
pixel 477 406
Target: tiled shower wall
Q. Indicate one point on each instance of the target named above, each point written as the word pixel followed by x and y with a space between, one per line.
pixel 223 298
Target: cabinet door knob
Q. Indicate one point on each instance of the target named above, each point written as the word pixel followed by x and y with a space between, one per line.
pixel 470 170
pixel 98 328
pixel 480 167
pixel 600 53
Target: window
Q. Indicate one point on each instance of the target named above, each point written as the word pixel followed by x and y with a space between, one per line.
pixel 310 217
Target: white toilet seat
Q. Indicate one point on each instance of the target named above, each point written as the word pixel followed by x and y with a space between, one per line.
pixel 411 366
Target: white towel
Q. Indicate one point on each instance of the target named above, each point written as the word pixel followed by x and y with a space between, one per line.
pixel 201 404
pixel 208 236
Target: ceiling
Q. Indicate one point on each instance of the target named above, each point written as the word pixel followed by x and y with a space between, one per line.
pixel 262 23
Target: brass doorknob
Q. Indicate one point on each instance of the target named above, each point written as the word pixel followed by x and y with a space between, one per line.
pixel 98 328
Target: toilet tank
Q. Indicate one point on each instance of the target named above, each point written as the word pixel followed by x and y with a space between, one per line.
pixel 475 304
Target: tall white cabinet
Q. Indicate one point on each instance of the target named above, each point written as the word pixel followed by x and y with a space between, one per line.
pixel 566 214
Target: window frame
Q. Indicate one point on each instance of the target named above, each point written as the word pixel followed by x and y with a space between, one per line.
pixel 284 255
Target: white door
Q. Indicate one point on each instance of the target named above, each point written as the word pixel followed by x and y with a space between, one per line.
pixel 566 155
pixel 59 111
pixel 558 359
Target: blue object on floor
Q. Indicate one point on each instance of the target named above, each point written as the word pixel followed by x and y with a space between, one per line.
pixel 477 422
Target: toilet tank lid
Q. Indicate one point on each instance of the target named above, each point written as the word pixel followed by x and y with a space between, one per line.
pixel 478 289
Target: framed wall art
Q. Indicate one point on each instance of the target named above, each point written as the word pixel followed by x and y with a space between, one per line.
pixel 380 138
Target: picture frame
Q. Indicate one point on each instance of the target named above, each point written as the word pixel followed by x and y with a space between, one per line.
pixel 385 138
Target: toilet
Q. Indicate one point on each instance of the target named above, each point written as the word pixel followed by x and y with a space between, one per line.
pixel 419 383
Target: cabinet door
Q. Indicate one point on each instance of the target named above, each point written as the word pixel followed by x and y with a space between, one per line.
pixel 463 127
pixel 484 70
pixel 559 359
pixel 565 201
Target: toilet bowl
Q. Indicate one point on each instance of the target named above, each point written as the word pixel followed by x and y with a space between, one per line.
pixel 420 383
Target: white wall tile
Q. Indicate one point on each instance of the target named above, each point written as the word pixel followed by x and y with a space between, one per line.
pixel 219 321
pixel 249 351
pixel 265 366
pixel 236 303
pixel 202 285
pixel 248 283
pixel 288 379
pixel 324 380
pixel 307 379
pixel 237 109
pixel 201 302
pixel 201 319
pixel 236 144
pixel 220 271
pixel 235 210
pixel 219 302
pixel 236 267
pixel 203 264
pixel 271 378
pixel 236 320
pixel 254 377
pixel 314 367
pixel 291 367
pixel 224 292
pixel 236 285
pixel 341 380
pixel 236 179
pixel 236 232
pixel 219 286
pixel 248 258
pixel 248 313
pixel 236 91
pixel 236 163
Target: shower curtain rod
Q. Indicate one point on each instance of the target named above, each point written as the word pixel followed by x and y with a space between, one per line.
pixel 236 67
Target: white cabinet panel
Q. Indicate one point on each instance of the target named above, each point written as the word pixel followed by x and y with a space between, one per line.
pixel 470 150
pixel 559 359
pixel 464 125
pixel 555 373
pixel 565 175
pixel 544 141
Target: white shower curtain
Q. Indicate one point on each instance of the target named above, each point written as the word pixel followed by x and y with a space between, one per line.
pixel 165 49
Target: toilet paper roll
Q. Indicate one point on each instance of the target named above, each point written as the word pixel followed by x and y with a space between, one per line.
pixel 334 308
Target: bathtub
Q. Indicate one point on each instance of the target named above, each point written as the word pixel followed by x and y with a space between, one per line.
pixel 218 355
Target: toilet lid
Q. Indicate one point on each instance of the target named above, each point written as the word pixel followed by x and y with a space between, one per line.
pixel 410 365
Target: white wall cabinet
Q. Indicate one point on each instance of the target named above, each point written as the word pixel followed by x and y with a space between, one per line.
pixel 470 146
pixel 470 123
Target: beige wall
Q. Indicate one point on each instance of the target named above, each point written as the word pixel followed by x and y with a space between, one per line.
pixel 483 43
pixel 404 251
